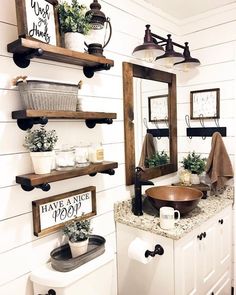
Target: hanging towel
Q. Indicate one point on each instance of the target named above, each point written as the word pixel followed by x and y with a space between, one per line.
pixel 148 149
pixel 218 167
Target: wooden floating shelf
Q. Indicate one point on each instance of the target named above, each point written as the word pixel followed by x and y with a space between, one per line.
pixel 27 118
pixel 30 181
pixel 25 49
pixel 25 114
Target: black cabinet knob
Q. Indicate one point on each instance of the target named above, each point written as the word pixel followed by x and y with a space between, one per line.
pixel 199 237
pixel 221 221
pixel 204 234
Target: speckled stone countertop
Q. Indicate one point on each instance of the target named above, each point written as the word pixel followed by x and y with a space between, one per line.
pixel 206 209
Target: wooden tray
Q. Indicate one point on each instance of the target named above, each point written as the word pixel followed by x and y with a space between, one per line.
pixel 61 258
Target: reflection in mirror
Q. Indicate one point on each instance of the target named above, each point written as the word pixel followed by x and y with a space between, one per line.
pixel 150 121
pixel 150 114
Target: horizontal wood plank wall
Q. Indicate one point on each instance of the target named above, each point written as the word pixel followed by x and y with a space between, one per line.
pixel 20 250
pixel 101 93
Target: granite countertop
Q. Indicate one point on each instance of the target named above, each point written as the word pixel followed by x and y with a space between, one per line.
pixel 206 209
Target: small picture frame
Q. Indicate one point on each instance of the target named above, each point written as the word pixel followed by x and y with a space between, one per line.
pixel 205 103
pixel 158 108
pixel 38 20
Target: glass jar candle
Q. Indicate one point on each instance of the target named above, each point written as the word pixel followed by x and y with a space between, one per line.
pixel 82 155
pixel 96 153
pixel 65 159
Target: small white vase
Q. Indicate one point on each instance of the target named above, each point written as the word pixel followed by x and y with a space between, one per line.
pixel 42 162
pixel 78 248
pixel 74 41
pixel 195 179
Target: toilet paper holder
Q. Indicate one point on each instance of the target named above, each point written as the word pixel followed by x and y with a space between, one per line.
pixel 50 292
pixel 158 250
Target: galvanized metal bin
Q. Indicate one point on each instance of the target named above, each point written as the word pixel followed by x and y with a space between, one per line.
pixel 52 96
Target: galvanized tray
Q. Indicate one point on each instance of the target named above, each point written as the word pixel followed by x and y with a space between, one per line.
pixel 61 258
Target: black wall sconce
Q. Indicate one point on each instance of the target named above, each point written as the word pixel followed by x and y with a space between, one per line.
pixel 152 50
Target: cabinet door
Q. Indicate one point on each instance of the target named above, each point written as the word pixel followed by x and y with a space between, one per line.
pixel 223 285
pixel 207 254
pixel 186 265
pixel 135 278
pixel 224 238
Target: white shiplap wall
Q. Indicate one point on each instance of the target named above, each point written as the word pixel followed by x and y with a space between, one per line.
pixel 213 41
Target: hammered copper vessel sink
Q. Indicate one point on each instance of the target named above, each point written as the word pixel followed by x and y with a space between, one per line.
pixel 181 198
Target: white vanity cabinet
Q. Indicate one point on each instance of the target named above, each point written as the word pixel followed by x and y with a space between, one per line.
pixel 198 263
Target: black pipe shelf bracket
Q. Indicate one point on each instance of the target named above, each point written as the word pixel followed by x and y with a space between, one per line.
pixel 89 71
pixel 163 132
pixel 44 187
pixel 22 60
pixel 28 123
pixel 91 123
pixel 205 131
pixel 109 172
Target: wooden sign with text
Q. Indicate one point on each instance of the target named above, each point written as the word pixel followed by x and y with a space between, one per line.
pixel 50 214
pixel 37 19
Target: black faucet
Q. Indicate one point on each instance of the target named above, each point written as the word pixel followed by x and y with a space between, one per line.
pixel 137 207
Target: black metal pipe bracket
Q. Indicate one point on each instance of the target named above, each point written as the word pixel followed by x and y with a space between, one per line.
pixel 44 187
pixel 22 60
pixel 28 123
pixel 89 71
pixel 109 172
pixel 91 123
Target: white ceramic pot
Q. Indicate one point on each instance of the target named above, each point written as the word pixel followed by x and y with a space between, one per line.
pixel 42 162
pixel 74 41
pixel 78 248
pixel 195 179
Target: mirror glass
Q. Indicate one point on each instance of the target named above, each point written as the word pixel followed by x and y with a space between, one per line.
pixel 151 114
pixel 150 121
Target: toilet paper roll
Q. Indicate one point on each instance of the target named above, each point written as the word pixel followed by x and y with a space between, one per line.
pixel 137 249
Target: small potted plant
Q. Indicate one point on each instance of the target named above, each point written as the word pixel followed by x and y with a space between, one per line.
pixel 195 164
pixel 78 235
pixel 74 24
pixel 158 159
pixel 41 143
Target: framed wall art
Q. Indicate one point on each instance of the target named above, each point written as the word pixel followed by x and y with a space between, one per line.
pixel 38 20
pixel 158 108
pixel 50 214
pixel 205 103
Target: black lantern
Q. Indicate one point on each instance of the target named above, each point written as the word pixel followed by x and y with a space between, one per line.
pixel 96 40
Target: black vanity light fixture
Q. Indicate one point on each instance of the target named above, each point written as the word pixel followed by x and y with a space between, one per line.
pixel 152 51
pixel 96 40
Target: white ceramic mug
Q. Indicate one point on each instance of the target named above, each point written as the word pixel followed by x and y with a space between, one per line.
pixel 167 217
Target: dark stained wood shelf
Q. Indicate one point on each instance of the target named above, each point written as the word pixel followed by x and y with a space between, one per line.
pixel 25 114
pixel 27 118
pixel 25 49
pixel 30 181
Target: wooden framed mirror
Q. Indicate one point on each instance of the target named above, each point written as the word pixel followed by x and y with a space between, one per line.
pixel 134 75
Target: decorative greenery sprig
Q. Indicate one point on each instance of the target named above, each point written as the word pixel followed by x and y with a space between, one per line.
pixel 77 230
pixel 40 140
pixel 72 18
pixel 194 163
pixel 157 159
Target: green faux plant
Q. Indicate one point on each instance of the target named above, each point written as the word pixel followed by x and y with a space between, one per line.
pixel 40 140
pixel 157 159
pixel 194 163
pixel 77 231
pixel 72 18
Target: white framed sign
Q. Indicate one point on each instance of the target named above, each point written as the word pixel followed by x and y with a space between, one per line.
pixel 158 108
pixel 37 19
pixel 50 214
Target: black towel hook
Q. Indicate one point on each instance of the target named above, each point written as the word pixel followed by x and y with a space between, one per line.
pixel 217 122
pixel 155 122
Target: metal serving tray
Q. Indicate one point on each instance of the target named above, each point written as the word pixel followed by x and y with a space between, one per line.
pixel 61 258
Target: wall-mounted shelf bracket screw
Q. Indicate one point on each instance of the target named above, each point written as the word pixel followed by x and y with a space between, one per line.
pixel 91 123
pixel 44 187
pixel 25 124
pixel 89 71
pixel 22 60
